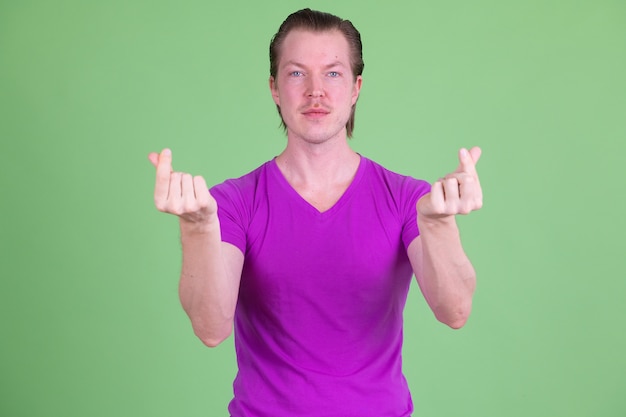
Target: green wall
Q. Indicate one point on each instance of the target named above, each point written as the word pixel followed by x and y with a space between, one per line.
pixel 90 323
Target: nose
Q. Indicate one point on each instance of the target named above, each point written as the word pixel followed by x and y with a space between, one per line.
pixel 315 88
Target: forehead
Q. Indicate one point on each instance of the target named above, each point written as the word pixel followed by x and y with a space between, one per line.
pixel 309 47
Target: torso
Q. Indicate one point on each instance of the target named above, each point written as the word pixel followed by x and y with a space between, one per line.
pixel 322 292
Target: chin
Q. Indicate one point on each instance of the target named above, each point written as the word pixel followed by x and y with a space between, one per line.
pixel 316 136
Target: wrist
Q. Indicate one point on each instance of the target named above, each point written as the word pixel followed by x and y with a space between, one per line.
pixel 194 228
pixel 425 222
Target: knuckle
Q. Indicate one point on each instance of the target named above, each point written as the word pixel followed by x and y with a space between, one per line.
pixel 446 209
pixel 160 205
pixel 191 206
pixel 439 208
pixel 176 207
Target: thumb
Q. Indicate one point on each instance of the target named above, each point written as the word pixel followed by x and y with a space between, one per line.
pixel 468 160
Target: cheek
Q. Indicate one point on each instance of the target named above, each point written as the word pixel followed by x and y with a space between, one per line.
pixel 292 97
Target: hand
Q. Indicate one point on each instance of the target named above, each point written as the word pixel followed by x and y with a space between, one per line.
pixel 181 194
pixel 457 193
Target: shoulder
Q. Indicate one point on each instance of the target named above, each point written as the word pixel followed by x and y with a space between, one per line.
pixel 240 197
pixel 244 184
pixel 393 181
pixel 238 200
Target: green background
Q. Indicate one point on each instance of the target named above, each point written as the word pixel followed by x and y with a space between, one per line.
pixel 90 323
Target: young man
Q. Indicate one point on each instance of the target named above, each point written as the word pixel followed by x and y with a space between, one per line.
pixel 310 256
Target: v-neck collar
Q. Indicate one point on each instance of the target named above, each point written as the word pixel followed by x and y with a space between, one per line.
pixel 295 196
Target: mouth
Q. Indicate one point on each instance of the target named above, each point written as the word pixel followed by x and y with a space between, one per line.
pixel 315 112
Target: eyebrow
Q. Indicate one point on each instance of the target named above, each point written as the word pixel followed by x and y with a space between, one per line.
pixel 328 66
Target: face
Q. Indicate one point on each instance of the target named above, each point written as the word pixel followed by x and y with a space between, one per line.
pixel 314 85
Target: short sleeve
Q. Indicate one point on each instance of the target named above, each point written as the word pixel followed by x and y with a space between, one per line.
pixel 232 213
pixel 413 190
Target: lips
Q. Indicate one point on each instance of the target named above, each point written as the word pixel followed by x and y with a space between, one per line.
pixel 315 112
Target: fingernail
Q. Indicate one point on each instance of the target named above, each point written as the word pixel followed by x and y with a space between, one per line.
pixel 167 152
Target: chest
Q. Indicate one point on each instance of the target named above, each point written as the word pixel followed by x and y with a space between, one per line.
pixel 321 198
pixel 352 253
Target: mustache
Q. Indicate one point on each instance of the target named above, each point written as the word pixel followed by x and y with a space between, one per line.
pixel 314 108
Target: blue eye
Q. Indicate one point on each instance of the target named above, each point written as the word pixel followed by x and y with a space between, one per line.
pixel 333 74
pixel 296 74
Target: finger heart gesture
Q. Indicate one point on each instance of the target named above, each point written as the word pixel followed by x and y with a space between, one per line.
pixel 458 192
pixel 180 193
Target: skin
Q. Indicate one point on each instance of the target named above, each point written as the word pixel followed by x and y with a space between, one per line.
pixel 316 90
pixel 314 86
pixel 442 269
pixel 211 269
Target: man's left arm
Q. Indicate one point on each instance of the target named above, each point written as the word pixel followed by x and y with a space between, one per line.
pixel 445 274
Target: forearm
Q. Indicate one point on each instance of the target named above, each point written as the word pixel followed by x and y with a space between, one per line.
pixel 208 292
pixel 447 276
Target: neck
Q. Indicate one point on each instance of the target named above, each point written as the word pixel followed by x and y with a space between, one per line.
pixel 318 165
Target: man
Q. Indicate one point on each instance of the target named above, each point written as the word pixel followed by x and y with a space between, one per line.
pixel 310 256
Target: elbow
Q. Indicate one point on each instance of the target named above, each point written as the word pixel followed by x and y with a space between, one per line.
pixel 455 324
pixel 456 318
pixel 456 311
pixel 213 338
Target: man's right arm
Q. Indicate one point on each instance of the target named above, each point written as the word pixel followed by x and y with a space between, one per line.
pixel 211 269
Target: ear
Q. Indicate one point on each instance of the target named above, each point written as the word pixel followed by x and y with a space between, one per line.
pixel 356 89
pixel 274 91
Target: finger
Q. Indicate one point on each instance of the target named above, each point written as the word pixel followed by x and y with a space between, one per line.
pixel 476 152
pixel 164 165
pixel 202 191
pixel 154 158
pixel 437 197
pixel 461 177
pixel 163 172
pixel 174 200
pixel 451 193
pixel 187 192
pixel 468 160
pixel 471 195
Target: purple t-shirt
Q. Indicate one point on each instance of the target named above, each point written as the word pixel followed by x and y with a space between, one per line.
pixel 318 325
